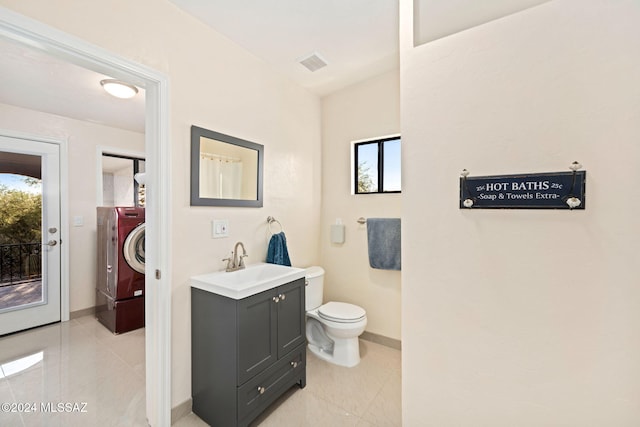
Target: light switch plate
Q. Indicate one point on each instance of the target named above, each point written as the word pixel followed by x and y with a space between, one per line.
pixel 78 221
pixel 219 228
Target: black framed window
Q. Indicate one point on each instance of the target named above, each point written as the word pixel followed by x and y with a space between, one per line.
pixel 377 166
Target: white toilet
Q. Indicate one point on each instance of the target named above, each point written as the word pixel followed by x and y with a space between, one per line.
pixel 332 328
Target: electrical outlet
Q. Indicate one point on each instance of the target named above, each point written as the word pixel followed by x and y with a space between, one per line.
pixel 219 228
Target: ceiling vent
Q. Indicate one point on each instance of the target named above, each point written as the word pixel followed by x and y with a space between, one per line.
pixel 313 62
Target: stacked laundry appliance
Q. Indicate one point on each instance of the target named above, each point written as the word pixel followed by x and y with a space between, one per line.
pixel 120 268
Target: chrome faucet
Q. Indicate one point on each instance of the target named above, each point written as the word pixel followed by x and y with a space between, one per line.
pixel 239 264
pixel 233 263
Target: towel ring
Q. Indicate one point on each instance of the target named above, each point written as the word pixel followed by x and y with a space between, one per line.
pixel 271 220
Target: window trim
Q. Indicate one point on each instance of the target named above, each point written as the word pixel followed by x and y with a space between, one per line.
pixel 380 142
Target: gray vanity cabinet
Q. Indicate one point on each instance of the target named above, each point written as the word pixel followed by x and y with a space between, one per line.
pixel 247 352
pixel 270 325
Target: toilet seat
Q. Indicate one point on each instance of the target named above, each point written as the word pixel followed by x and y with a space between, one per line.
pixel 341 312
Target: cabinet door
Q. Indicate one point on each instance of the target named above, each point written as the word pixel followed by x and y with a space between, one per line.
pixel 257 329
pixel 291 325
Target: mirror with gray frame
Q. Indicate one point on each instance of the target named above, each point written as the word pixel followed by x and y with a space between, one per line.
pixel 225 170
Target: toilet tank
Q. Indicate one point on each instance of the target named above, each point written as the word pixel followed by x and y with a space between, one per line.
pixel 315 285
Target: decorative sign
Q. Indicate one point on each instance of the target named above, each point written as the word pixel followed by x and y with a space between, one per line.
pixel 555 190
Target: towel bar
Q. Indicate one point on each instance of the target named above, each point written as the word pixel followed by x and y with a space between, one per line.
pixel 271 220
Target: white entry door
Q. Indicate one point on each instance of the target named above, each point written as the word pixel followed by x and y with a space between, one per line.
pixel 30 252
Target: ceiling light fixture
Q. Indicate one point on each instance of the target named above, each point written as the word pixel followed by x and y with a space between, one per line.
pixel 119 89
pixel 141 177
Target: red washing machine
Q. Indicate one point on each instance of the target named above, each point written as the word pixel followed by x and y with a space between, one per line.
pixel 120 269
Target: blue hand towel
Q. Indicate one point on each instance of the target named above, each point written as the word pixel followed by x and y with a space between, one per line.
pixel 383 236
pixel 277 252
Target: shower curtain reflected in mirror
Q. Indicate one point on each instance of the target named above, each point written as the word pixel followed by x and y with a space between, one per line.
pixel 220 177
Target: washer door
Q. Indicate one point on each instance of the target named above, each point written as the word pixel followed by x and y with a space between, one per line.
pixel 133 249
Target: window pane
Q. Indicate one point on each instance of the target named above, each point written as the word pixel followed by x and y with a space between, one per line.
pixel 367 168
pixel 391 167
pixel 20 231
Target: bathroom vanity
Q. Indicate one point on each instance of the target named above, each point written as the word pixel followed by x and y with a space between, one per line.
pixel 248 343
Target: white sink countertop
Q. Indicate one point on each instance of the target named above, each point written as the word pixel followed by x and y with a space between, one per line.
pixel 253 279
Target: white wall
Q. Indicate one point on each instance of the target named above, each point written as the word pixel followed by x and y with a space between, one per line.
pixel 123 186
pixel 83 139
pixel 366 110
pixel 441 18
pixel 108 193
pixel 217 85
pixel 522 317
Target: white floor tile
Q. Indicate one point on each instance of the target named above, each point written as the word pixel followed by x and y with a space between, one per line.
pixel 82 364
pixel 79 374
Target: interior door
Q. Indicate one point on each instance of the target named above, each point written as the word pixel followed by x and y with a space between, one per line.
pixel 29 258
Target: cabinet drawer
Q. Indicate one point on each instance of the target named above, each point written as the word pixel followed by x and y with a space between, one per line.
pixel 261 391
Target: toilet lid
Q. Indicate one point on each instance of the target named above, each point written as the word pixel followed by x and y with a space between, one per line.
pixel 341 312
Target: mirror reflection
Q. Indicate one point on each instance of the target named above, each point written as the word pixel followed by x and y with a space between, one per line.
pixel 225 171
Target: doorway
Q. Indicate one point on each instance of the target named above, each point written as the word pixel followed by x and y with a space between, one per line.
pixel 30 255
pixel 158 296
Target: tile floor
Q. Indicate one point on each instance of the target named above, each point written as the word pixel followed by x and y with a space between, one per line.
pixel 76 362
pixel 367 395
pixel 83 365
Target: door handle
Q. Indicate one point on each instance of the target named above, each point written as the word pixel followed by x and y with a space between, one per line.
pixel 50 243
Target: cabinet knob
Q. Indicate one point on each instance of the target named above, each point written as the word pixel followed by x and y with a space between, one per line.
pixel 276 299
pixel 294 364
pixel 282 296
pixel 261 390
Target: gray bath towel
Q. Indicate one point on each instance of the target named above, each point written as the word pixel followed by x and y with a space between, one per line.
pixel 383 235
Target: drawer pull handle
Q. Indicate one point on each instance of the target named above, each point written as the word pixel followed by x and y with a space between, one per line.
pixel 294 364
pixel 282 296
pixel 276 299
pixel 261 390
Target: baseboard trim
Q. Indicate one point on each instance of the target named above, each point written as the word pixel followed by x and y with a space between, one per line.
pixel 381 339
pixel 181 410
pixel 83 312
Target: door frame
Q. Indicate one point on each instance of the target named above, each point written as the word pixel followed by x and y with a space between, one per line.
pixel 64 211
pixel 158 221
